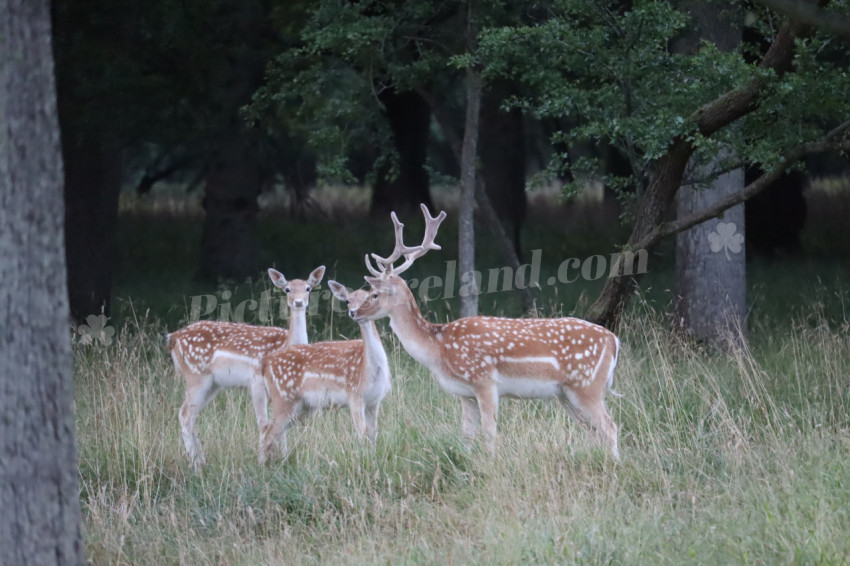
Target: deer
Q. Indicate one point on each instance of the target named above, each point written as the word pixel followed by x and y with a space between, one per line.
pixel 484 358
pixel 305 378
pixel 213 356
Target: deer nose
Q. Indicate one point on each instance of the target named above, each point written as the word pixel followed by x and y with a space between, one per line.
pixel 298 303
pixel 352 313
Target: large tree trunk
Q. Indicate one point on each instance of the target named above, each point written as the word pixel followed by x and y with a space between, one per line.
pixel 711 272
pixel 711 269
pixel 656 200
pixel 409 117
pixel 39 485
pixel 229 240
pixel 502 151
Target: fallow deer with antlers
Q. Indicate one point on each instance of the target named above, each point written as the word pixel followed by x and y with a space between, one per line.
pixel 212 356
pixel 481 358
pixel 305 378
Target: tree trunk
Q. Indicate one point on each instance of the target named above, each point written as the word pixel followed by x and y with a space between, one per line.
pixel 711 273
pixel 488 213
pixel 409 117
pixel 468 178
pixel 229 241
pixel 711 270
pixel 502 151
pixel 39 485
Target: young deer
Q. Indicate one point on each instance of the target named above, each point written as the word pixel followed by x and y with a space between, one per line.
pixel 213 356
pixel 482 358
pixel 304 378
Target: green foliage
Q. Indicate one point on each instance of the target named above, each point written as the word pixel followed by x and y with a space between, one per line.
pixel 606 70
pixel 327 87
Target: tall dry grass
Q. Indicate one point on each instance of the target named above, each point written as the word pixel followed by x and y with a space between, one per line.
pixel 725 460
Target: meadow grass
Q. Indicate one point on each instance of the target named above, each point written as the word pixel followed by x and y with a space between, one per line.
pixel 726 459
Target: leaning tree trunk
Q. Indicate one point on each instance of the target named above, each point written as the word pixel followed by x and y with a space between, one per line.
pixel 39 485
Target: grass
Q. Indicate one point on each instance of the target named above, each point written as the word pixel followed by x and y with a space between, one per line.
pixel 736 459
pixel 725 460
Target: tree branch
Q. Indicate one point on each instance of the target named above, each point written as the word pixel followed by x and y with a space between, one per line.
pixel 829 142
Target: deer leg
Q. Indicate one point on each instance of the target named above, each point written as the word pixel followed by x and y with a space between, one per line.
pixel 196 399
pixel 358 414
pixel 592 414
pixel 260 399
pixel 488 406
pixel 470 419
pixel 604 425
pixel 274 432
pixel 372 422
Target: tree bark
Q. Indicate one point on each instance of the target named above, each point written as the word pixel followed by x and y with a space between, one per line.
pixel 711 273
pixel 656 200
pixel 468 177
pixel 711 269
pixel 39 485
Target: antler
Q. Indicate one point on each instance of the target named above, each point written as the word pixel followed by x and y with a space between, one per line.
pixel 411 254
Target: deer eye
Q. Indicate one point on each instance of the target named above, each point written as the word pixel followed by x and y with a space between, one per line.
pixel 374 295
pixel 308 288
pixel 287 290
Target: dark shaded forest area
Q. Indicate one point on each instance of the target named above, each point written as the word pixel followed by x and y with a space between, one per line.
pixel 240 103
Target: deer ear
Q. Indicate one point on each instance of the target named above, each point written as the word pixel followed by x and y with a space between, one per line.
pixel 316 276
pixel 339 291
pixel 277 278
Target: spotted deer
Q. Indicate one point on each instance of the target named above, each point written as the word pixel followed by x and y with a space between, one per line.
pixel 305 378
pixel 482 358
pixel 212 356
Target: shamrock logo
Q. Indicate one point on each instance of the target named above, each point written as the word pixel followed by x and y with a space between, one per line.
pixel 95 330
pixel 726 238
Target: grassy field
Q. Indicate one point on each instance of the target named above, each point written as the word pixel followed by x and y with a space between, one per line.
pixel 736 459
